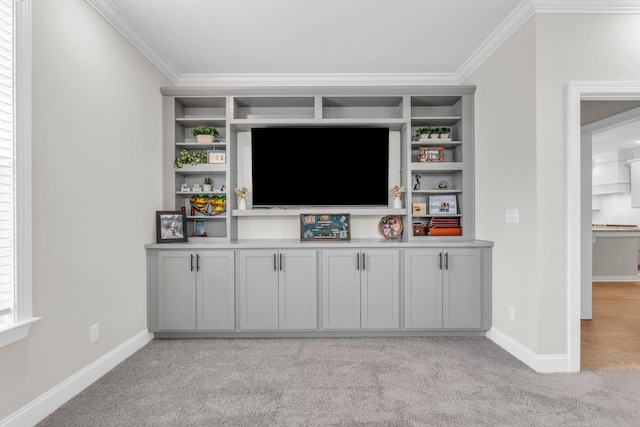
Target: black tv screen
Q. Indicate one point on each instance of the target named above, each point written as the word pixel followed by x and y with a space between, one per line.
pixel 320 166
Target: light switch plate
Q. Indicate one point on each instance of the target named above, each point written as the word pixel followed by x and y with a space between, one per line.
pixel 511 216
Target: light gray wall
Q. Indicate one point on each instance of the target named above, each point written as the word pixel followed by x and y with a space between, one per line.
pixel 506 164
pixel 530 263
pixel 96 186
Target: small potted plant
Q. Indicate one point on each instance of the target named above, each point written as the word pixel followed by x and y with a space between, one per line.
pixel 443 133
pixel 205 133
pixel 423 133
pixel 187 157
pixel 208 184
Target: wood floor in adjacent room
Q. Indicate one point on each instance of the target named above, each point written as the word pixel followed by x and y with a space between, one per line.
pixel 611 340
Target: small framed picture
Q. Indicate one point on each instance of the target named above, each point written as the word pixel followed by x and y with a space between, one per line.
pixel 431 154
pixel 390 227
pixel 419 208
pixel 200 228
pixel 171 226
pixel 443 205
pixel 216 156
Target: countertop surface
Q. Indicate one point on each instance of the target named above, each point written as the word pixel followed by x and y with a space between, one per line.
pixel 614 227
pixel 616 230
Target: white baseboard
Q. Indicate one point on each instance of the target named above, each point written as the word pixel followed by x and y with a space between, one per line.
pixel 543 363
pixel 40 408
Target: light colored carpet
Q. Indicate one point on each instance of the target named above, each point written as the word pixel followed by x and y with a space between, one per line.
pixel 346 382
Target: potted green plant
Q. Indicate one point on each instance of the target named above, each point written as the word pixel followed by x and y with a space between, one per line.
pixel 422 133
pixel 443 133
pixel 208 184
pixel 205 133
pixel 187 157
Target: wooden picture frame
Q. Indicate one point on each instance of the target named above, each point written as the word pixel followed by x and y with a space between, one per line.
pixel 431 154
pixel 171 226
pixel 390 227
pixel 325 227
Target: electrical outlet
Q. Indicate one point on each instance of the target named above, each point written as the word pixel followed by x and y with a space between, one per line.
pixel 94 332
pixel 511 313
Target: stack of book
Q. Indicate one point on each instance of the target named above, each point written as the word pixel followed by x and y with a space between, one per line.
pixel 445 227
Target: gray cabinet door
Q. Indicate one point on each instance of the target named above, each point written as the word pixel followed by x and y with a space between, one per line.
pixel 422 289
pixel 258 282
pixel 380 289
pixel 176 291
pixel 340 289
pixel 461 292
pixel 298 289
pixel 215 290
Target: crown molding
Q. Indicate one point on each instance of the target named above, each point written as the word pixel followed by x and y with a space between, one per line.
pixel 123 25
pixel 510 25
pixel 587 6
pixel 525 10
pixel 324 79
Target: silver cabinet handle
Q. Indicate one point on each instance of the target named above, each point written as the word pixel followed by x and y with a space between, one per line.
pixel 446 261
pixel 440 260
pixel 358 262
pixel 275 265
pixel 280 262
pixel 191 262
pixel 363 262
pixel 198 262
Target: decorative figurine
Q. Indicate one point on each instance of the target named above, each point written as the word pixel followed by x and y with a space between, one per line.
pixel 417 185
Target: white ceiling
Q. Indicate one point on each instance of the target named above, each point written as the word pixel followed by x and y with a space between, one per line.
pixel 243 42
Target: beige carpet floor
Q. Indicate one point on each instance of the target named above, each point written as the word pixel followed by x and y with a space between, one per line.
pixel 346 382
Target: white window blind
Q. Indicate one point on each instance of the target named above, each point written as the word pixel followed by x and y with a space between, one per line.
pixel 7 194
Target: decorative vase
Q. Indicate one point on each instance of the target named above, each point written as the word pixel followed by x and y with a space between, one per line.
pixel 242 203
pixel 207 187
pixel 397 202
pixel 204 138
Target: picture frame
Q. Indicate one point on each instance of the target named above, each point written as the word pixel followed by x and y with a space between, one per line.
pixel 200 228
pixel 390 227
pixel 443 205
pixel 418 208
pixel 216 156
pixel 325 227
pixel 171 226
pixel 431 154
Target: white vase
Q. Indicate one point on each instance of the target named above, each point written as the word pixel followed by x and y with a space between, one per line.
pixel 242 203
pixel 397 203
pixel 207 187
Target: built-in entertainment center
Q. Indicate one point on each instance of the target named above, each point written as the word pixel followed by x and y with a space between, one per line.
pixel 307 151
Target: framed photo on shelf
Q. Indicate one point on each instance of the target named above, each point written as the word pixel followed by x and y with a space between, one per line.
pixel 325 227
pixel 171 226
pixel 431 154
pixel 390 227
pixel 443 205
pixel 200 229
pixel 216 156
pixel 418 208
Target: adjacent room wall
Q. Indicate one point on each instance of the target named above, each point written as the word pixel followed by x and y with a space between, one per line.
pixel 570 47
pixel 524 164
pixel 96 186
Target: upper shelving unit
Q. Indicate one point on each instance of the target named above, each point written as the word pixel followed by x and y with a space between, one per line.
pixel 403 109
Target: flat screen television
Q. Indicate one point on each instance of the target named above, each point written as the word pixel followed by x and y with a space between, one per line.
pixel 320 166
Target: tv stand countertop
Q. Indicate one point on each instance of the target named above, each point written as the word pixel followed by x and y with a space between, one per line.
pixel 297 244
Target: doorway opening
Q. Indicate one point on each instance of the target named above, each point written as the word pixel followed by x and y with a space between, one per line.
pixel 578 207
